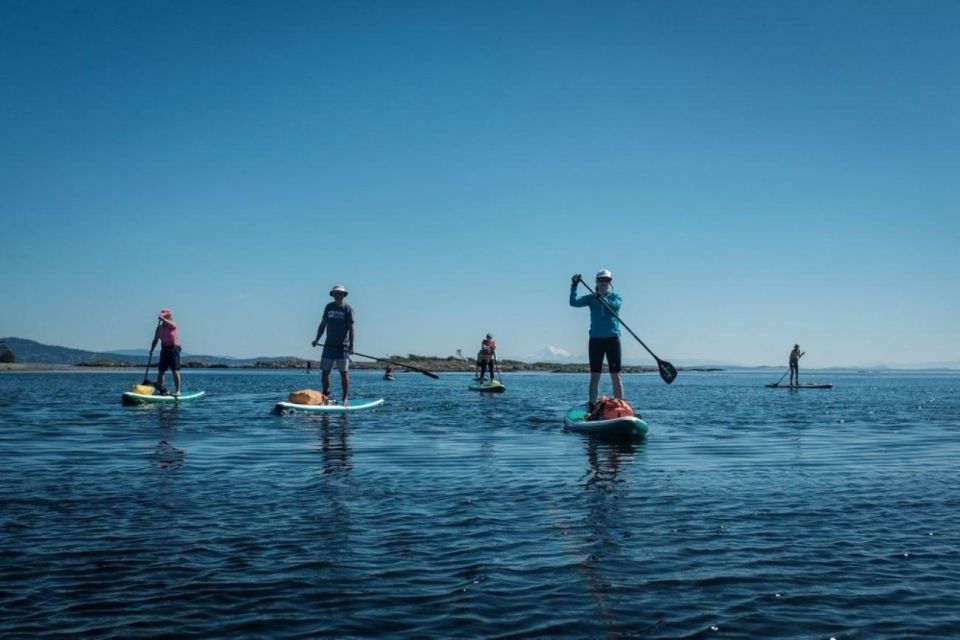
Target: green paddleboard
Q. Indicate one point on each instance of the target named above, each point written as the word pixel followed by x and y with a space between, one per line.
pixel 141 398
pixel 626 427
pixel 488 387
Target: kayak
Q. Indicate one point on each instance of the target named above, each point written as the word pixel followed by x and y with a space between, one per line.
pixel 284 408
pixel 488 387
pixel 799 386
pixel 626 427
pixel 131 397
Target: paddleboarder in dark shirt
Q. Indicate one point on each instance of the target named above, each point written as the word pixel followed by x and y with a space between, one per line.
pixel 337 321
pixel 795 365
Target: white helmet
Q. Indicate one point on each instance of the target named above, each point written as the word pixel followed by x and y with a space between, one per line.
pixel 604 274
pixel 339 289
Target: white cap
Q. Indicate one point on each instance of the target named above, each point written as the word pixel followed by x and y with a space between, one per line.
pixel 339 289
pixel 604 273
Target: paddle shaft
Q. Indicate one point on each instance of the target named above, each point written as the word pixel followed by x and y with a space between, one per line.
pixel 660 362
pixel 788 370
pixel 497 364
pixel 396 364
pixel 153 345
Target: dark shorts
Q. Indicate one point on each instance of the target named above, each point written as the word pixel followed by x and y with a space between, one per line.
pixel 334 357
pixel 600 347
pixel 169 358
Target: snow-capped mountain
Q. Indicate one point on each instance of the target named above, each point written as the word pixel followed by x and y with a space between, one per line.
pixel 551 353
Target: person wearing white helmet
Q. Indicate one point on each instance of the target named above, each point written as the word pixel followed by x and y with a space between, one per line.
pixel 486 355
pixel 337 321
pixel 604 332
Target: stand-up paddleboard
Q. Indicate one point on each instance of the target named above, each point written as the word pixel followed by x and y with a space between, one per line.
pixel 799 386
pixel 626 427
pixel 488 387
pixel 132 397
pixel 284 408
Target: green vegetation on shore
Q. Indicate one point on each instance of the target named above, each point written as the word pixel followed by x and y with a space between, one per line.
pixel 35 356
pixel 436 364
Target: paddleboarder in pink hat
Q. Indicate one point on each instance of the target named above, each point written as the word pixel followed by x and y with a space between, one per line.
pixel 166 335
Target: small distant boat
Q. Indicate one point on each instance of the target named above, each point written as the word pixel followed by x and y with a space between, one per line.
pixel 799 386
pixel 388 376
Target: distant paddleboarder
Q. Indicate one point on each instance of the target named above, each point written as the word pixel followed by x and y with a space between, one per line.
pixel 604 332
pixel 338 323
pixel 795 365
pixel 488 351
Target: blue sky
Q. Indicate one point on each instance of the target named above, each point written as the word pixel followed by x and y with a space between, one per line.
pixel 754 173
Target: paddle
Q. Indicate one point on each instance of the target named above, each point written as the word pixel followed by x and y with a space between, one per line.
pixel 777 383
pixel 497 364
pixel 153 346
pixel 396 364
pixel 667 370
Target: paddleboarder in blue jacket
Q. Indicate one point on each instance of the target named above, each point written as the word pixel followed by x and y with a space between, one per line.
pixel 604 332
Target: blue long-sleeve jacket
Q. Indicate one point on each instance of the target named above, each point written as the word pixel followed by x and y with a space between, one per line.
pixel 603 324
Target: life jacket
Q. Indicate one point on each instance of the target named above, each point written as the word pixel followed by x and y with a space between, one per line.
pixel 610 408
pixel 487 347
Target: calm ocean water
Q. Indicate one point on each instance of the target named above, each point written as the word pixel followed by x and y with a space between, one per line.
pixel 747 513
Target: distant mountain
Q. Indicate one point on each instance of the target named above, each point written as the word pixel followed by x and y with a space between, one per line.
pixel 145 353
pixel 35 352
pixel 131 352
pixel 30 351
pixel 551 353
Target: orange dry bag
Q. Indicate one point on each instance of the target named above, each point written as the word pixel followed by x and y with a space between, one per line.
pixel 611 408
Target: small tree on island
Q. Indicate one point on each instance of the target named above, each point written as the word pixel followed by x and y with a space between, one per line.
pixel 5 354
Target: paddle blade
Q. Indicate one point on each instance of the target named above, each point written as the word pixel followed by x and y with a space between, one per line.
pixel 667 371
pixel 432 375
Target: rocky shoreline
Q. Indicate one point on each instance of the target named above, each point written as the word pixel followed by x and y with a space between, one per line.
pixel 448 365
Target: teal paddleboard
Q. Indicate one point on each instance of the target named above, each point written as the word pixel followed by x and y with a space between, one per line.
pixel 131 397
pixel 626 427
pixel 488 387
pixel 284 408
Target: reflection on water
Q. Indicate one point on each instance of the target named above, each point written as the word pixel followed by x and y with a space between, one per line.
pixel 334 443
pixel 167 457
pixel 605 458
